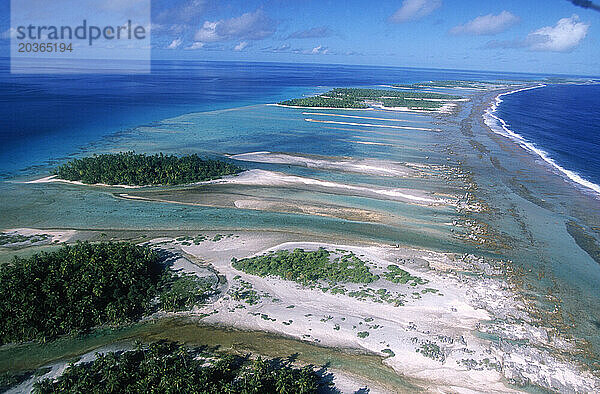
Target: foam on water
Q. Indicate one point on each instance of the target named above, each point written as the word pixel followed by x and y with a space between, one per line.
pixel 499 126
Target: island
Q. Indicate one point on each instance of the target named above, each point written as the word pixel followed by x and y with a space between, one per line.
pixel 129 168
pixel 357 98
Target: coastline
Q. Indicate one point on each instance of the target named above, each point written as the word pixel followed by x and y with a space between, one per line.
pixel 500 127
pixel 445 109
pixel 497 291
pixel 54 178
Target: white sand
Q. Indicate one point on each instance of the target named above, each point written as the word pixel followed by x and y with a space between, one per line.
pixel 272 178
pixel 54 236
pixel 361 166
pixel 54 178
pixel 335 108
pixel 449 321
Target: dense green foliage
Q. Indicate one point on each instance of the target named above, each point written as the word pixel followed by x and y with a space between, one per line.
pixel 164 367
pixel 308 267
pixel 75 288
pixel 396 274
pixel 359 98
pixel 412 104
pixel 324 102
pixel 185 291
pixel 373 94
pixel 138 169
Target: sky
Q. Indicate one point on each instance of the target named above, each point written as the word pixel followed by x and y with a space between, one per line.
pixel 541 36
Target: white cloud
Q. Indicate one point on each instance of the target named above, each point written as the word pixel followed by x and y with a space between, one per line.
pixel 195 45
pixel 487 24
pixel 562 37
pixel 415 9
pixel 241 46
pixel 318 50
pixel 249 26
pixel 176 43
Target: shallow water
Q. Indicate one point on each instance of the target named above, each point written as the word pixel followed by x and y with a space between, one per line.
pixel 365 366
pixel 529 203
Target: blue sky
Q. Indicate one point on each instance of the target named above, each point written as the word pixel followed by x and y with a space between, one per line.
pixel 549 36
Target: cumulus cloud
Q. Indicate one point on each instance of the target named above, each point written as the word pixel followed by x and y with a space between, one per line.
pixel 195 45
pixel 318 50
pixel 415 9
pixel 315 32
pixel 176 43
pixel 241 46
pixel 487 24
pixel 565 36
pixel 562 37
pixel 249 26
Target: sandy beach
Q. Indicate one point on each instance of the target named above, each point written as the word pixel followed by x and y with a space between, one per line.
pixel 432 336
pixel 359 166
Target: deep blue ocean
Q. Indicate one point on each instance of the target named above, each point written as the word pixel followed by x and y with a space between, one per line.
pixel 563 123
pixel 44 118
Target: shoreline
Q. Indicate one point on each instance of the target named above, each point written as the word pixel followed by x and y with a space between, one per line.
pixel 54 178
pixel 442 110
pixel 500 127
pixel 456 320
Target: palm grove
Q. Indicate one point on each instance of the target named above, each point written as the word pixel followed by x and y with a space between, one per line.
pixel 77 288
pixel 129 168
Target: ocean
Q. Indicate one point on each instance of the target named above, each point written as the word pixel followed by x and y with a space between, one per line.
pixel 217 109
pixel 560 124
pixel 48 117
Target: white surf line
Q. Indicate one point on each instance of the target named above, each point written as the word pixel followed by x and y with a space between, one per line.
pixel 371 143
pixel 361 117
pixel 369 125
pixel 500 127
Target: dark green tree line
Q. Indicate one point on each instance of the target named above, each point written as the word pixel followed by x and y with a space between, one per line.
pixel 128 168
pixel 76 288
pixel 165 367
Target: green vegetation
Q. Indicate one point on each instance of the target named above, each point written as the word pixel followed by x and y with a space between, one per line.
pixel 431 350
pixel 245 293
pixel 362 334
pixel 128 168
pixel 324 102
pixel 184 292
pixel 412 104
pixel 388 352
pixel 396 274
pixel 380 93
pixel 360 98
pixel 14 238
pixel 165 367
pixel 308 267
pixel 76 288
pixel 79 287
